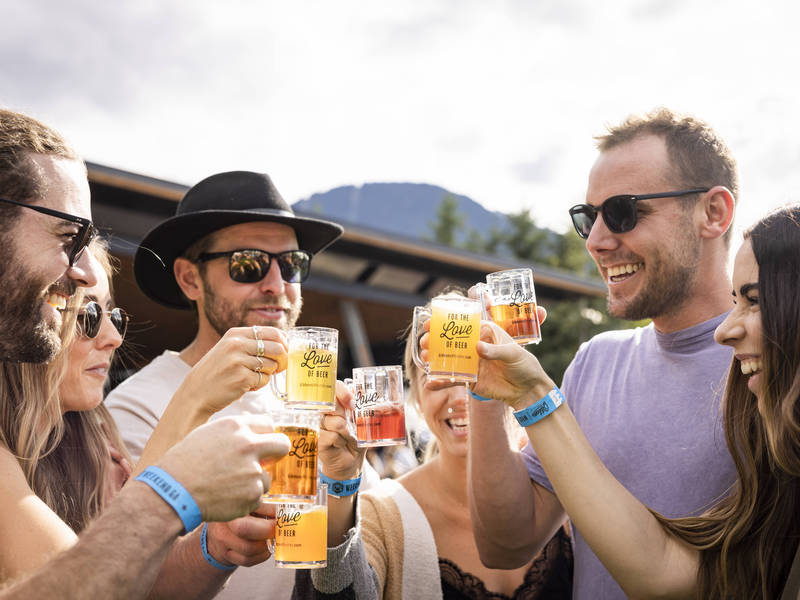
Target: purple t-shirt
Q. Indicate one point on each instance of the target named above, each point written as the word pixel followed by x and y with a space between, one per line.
pixel 649 403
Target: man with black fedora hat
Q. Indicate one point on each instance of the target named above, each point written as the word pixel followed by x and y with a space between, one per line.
pixel 236 253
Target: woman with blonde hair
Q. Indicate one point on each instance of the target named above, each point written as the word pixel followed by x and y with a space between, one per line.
pixel 746 546
pixel 412 538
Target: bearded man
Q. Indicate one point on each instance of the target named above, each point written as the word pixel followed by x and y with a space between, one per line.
pixel 237 253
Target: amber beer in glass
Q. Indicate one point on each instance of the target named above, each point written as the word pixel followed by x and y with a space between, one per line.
pixel 454 333
pixel 311 369
pixel 301 533
pixel 378 417
pixel 513 304
pixel 294 476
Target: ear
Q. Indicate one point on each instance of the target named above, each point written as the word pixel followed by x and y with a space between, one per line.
pixel 188 278
pixel 717 212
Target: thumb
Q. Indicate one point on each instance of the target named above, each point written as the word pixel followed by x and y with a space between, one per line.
pixel 504 352
pixel 541 313
pixel 272 446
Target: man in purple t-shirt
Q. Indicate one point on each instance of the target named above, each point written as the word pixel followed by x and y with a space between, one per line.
pixel 647 398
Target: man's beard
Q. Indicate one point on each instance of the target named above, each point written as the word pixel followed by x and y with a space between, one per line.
pixel 670 282
pixel 222 315
pixel 24 334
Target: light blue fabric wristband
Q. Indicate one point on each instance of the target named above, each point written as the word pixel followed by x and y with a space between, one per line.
pixel 174 494
pixel 477 396
pixel 341 488
pixel 538 411
pixel 207 555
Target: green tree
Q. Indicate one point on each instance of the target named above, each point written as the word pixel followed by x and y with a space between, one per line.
pixel 448 221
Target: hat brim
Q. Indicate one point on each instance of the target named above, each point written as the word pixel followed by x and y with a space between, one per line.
pixel 156 254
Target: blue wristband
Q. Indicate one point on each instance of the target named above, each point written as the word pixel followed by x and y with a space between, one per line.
pixel 207 555
pixel 538 411
pixel 174 494
pixel 341 488
pixel 478 396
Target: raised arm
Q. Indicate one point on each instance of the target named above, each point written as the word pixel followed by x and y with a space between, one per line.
pixel 119 555
pixel 644 559
pixel 223 375
pixel 512 517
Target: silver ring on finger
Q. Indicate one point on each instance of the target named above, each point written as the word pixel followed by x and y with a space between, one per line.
pixel 260 365
pixel 255 332
pixel 259 348
pixel 258 383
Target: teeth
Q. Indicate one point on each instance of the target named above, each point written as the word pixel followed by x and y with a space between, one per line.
pixel 57 301
pixel 751 365
pixel 462 422
pixel 623 269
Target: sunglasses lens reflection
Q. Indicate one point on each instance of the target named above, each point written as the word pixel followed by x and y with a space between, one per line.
pixel 250 266
pixel 91 317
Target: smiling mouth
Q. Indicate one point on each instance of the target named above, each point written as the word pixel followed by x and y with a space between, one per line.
pixel 751 366
pixel 458 424
pixel 619 273
pixel 57 301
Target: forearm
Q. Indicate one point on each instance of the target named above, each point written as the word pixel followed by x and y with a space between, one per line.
pixel 186 574
pixel 341 518
pixel 501 497
pixel 637 551
pixel 118 556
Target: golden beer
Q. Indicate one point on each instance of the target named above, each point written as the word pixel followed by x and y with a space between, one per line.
pixel 513 304
pixel 301 536
pixel 311 378
pixel 294 477
pixel 454 334
pixel 519 321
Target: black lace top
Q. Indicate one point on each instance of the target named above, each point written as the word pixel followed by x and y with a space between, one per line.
pixel 548 578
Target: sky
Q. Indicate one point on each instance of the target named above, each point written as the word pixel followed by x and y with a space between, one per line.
pixel 496 100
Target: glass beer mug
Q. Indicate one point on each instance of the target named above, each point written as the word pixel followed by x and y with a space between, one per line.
pixel 454 334
pixel 512 304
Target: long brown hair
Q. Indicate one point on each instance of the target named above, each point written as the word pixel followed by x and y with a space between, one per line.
pixel 747 542
pixel 64 458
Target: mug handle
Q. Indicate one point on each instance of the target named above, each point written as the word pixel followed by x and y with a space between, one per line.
pixel 421 314
pixel 349 413
pixel 282 395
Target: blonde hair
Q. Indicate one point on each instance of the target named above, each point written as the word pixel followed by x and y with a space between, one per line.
pixel 64 457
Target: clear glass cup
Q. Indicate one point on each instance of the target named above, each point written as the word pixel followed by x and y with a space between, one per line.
pixel 311 369
pixel 378 417
pixel 512 304
pixel 294 476
pixel 301 533
pixel 454 334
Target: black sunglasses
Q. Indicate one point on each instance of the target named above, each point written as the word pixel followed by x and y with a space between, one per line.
pixel 619 212
pixel 250 266
pixel 90 318
pixel 85 234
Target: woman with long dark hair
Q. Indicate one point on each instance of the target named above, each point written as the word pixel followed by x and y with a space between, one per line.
pixel 744 546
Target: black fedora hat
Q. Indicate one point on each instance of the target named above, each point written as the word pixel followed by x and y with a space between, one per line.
pixel 217 202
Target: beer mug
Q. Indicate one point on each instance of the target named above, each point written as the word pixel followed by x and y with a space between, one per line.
pixel 454 333
pixel 379 414
pixel 311 369
pixel 301 533
pixel 294 476
pixel 513 304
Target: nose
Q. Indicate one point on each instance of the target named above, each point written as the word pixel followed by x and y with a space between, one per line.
pixel 273 283
pixel 86 271
pixel 601 239
pixel 458 396
pixel 730 330
pixel 108 338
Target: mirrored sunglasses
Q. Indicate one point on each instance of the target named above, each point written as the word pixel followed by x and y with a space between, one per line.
pixel 250 266
pixel 90 319
pixel 620 213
